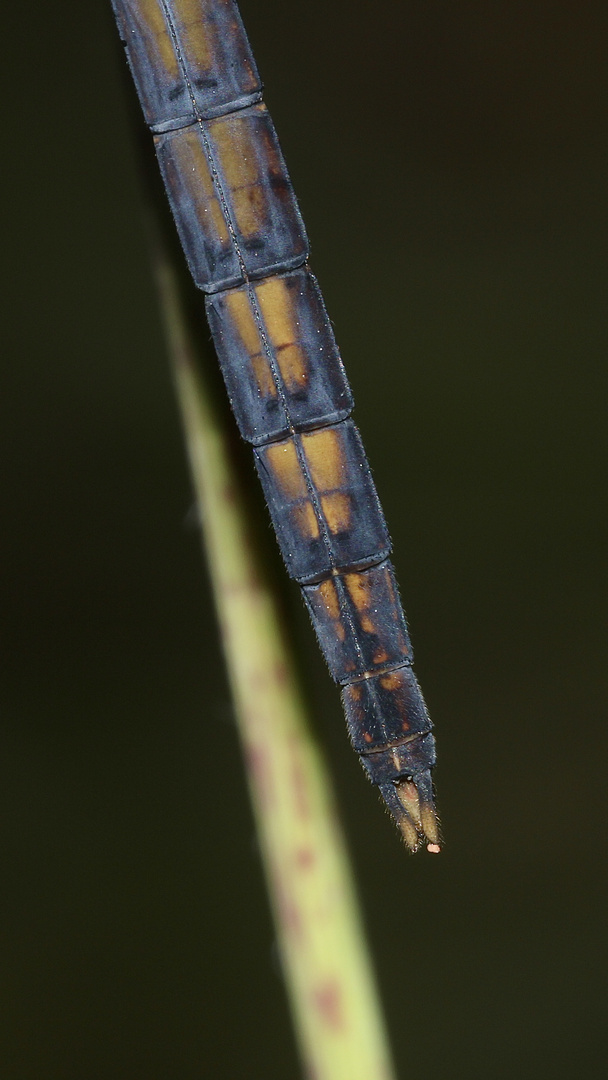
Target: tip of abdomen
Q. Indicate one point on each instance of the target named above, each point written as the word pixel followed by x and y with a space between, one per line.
pixel 411 803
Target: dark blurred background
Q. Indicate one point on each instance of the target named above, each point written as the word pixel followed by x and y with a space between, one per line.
pixel 450 161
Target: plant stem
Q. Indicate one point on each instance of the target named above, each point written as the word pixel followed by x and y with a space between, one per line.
pixel 337 1015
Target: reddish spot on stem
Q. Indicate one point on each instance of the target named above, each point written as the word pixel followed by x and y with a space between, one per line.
pixel 305 858
pixel 328 1001
pixel 281 674
pixel 289 912
pixel 229 494
pixel 257 764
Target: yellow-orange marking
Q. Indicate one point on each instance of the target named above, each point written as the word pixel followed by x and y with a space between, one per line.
pixel 336 510
pixel 359 587
pixel 275 304
pixel 283 461
pixel 306 520
pixel 236 150
pixel 155 28
pixel 292 365
pixel 250 211
pixel 329 596
pixel 239 309
pixel 380 656
pixel 195 31
pixel 325 458
pixel 391 681
pixel 192 164
pixel 263 376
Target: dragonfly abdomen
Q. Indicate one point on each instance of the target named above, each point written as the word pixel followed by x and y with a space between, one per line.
pixel 247 249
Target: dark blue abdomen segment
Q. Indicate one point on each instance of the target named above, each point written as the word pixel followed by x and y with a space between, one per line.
pixel 278 356
pixel 189 58
pixel 385 709
pixel 323 502
pixel 232 199
pixel 413 759
pixel 359 621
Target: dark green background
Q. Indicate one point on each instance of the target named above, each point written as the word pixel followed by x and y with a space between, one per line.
pixel 450 160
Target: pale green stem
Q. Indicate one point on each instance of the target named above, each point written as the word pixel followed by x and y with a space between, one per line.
pixel 337 1015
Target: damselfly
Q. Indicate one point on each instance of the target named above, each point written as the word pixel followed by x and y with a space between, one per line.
pixel 246 247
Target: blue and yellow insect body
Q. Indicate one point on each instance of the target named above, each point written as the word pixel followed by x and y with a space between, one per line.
pixel 246 247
